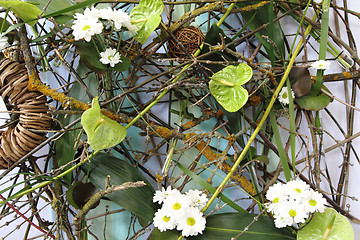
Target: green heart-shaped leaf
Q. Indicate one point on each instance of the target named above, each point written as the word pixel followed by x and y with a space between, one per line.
pixel 314 102
pixel 225 86
pixel 26 11
pixel 102 131
pixel 329 225
pixel 146 16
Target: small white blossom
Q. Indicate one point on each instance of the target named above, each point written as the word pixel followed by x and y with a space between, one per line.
pixel 191 223
pixel 175 204
pixel 283 96
pixel 86 28
pixel 110 56
pixel 163 221
pixel 321 64
pixel 197 198
pixel 314 201
pixel 296 188
pixel 161 195
pixel 3 42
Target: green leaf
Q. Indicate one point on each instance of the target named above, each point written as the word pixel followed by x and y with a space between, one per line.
pixel 80 193
pixel 70 10
pixel 136 200
pixel 53 6
pixel 338 226
pixel 312 101
pixel 229 225
pixel 91 58
pixel 214 37
pixel 146 16
pixel 225 86
pixel 168 235
pixel 26 11
pixel 102 131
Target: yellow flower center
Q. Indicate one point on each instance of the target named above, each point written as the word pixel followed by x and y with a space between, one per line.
pixel 298 190
pixel 276 200
pixel 284 95
pixel 292 213
pixel 166 218
pixel 191 221
pixel 312 202
pixel 86 27
pixel 176 206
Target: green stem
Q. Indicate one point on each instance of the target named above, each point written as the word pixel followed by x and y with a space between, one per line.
pixel 263 119
pixel 43 184
pixel 323 44
pixel 163 93
pixel 4 21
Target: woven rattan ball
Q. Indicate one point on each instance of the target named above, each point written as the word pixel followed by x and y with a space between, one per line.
pixel 190 37
pixel 29 113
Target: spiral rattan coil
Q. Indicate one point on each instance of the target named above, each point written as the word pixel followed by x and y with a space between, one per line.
pixel 29 109
pixel 190 37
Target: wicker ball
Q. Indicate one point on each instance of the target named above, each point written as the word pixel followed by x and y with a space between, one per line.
pixel 29 113
pixel 190 37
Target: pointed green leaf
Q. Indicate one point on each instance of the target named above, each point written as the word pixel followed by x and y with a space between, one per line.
pixel 330 224
pixel 229 225
pixel 225 86
pixel 146 16
pixel 102 131
pixel 136 200
pixel 26 11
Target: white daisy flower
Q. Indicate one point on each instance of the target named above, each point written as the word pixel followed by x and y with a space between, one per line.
pixel 161 195
pixel 110 56
pixel 293 212
pixel 3 42
pixel 192 222
pixel 281 221
pixel 321 64
pixel 197 197
pixel 121 19
pixel 176 203
pixel 86 28
pixel 314 201
pixel 283 96
pixel 163 221
pixel 297 188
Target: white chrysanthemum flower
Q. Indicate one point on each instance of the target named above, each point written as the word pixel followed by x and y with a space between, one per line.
pixel 191 222
pixel 121 19
pixel 176 203
pixel 281 222
pixel 197 197
pixel 163 221
pixel 292 210
pixel 3 42
pixel 314 201
pixel 106 13
pixel 86 28
pixel 297 188
pixel 110 56
pixel 284 97
pixel 321 64
pixel 161 195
